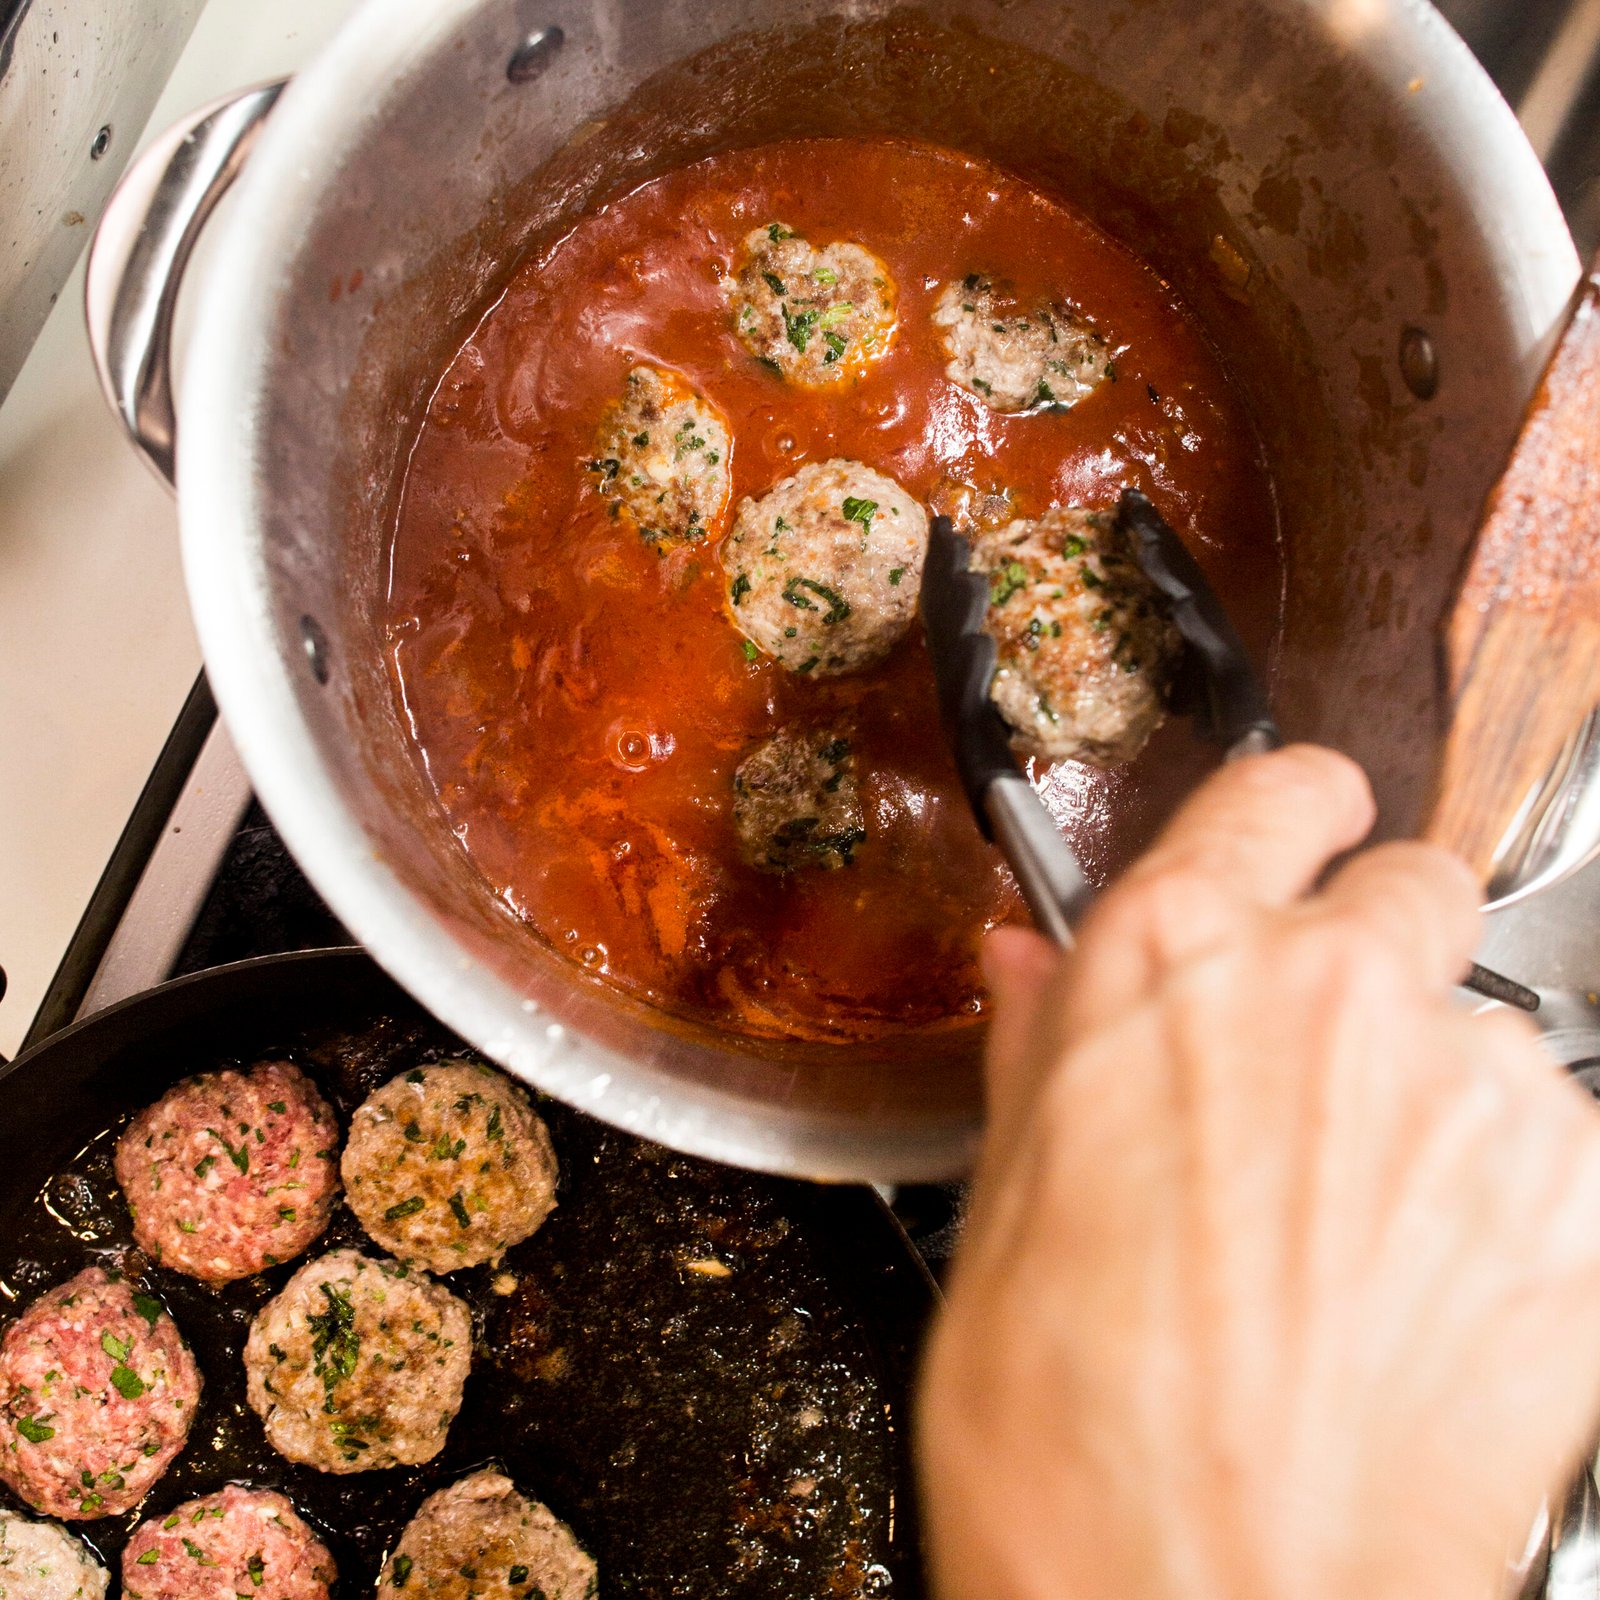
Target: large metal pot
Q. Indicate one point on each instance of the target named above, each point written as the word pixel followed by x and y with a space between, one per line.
pixel 1334 185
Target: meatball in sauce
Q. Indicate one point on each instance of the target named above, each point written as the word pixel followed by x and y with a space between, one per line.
pixel 582 698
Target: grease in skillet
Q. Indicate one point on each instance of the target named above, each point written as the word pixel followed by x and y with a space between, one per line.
pixel 579 695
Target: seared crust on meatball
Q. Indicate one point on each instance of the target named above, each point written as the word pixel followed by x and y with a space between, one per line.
pixel 481 1540
pixel 814 316
pixel 1086 647
pixel 795 802
pixel 449 1165
pixel 824 571
pixel 42 1561
pixel 661 459
pixel 97 1393
pixel 1015 356
pixel 358 1364
pixel 231 1172
pixel 235 1542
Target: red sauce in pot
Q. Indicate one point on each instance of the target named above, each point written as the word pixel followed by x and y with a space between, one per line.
pixel 580 702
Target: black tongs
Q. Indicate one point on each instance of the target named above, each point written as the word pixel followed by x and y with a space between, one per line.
pixel 1216 686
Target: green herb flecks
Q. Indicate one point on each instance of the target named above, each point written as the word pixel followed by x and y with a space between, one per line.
pixel 494 1129
pixel 838 606
pixel 1011 577
pixel 750 651
pixel 127 1382
pixel 148 1307
pixel 335 1344
pixel 858 510
pixel 774 283
pixel 837 345
pixel 240 1157
pixel 459 1210
pixel 777 233
pixel 895 575
pixel 35 1431
pixel 197 1554
pixel 400 1571
pixel 117 1349
pixel 741 587
pixel 404 1208
pixel 148 1559
pixel 799 326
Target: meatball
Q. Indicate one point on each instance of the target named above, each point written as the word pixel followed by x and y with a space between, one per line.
pixel 358 1364
pixel 481 1540
pixel 813 316
pixel 825 569
pixel 449 1165
pixel 236 1542
pixel 795 803
pixel 42 1561
pixel 231 1172
pixel 1085 645
pixel 97 1392
pixel 1018 357
pixel 661 459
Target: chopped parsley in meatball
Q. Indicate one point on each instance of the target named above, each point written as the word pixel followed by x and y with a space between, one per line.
pixel 815 317
pixel 231 1172
pixel 661 460
pixel 449 1165
pixel 795 802
pixel 42 1561
pixel 482 1540
pixel 1086 648
pixel 1015 356
pixel 239 1542
pixel 97 1393
pixel 358 1364
pixel 824 570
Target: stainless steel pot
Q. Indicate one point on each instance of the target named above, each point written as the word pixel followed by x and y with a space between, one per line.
pixel 1334 185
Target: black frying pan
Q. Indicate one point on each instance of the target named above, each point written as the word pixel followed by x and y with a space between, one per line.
pixel 706 1436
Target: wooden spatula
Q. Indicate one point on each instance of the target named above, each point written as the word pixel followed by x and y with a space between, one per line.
pixel 1522 645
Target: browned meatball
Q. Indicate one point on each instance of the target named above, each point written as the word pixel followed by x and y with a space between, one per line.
pixel 795 802
pixel 1085 646
pixel 449 1165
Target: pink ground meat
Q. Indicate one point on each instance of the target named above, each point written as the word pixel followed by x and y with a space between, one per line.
pixel 97 1393
pixel 236 1542
pixel 231 1172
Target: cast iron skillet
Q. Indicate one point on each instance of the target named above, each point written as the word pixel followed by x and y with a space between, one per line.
pixel 732 1427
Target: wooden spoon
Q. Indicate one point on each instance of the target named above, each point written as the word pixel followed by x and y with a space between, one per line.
pixel 1522 645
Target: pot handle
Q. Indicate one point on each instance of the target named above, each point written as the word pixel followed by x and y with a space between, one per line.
pixel 141 246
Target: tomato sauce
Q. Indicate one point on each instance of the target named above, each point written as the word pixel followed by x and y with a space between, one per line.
pixel 580 702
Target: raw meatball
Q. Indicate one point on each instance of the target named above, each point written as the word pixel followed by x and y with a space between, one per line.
pixel 449 1165
pixel 661 459
pixel 826 568
pixel 1016 357
pixel 814 316
pixel 358 1364
pixel 795 803
pixel 1086 648
pixel 97 1392
pixel 231 1172
pixel 481 1540
pixel 236 1542
pixel 42 1561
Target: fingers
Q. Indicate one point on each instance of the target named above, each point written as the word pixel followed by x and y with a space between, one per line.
pixel 1421 902
pixel 1264 828
pixel 1019 967
pixel 1254 837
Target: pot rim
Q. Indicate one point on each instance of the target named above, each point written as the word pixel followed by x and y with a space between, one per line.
pixel 249 669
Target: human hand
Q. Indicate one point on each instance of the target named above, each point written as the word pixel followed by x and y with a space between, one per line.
pixel 1282 1275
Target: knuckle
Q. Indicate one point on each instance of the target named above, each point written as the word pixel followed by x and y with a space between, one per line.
pixel 1164 911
